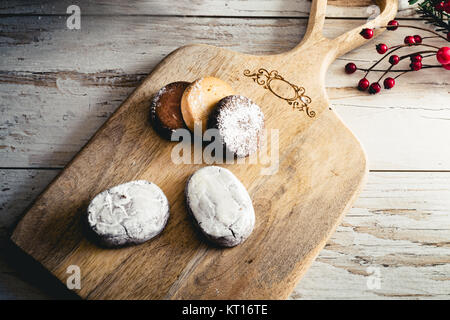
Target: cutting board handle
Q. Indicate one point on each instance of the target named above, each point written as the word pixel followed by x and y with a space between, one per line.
pixel 351 39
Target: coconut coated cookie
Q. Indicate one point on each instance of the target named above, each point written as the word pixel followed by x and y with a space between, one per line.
pixel 220 205
pixel 240 122
pixel 130 213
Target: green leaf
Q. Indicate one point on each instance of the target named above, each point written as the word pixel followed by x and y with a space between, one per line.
pixel 411 2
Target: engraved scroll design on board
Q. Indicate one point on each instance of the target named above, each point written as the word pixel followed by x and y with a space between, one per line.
pixel 298 100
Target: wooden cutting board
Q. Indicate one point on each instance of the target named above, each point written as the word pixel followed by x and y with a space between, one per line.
pixel 320 172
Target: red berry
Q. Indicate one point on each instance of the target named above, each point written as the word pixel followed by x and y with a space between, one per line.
pixel 416 66
pixel 439 6
pixel 366 33
pixel 447 6
pixel 389 83
pixel 350 68
pixel 409 40
pixel 416 58
pixel 393 25
pixel 417 38
pixel 382 48
pixel 446 66
pixel 443 55
pixel 363 84
pixel 394 59
pixel 374 88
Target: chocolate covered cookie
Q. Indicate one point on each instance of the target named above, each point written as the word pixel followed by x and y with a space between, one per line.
pixel 240 123
pixel 130 213
pixel 165 109
pixel 220 206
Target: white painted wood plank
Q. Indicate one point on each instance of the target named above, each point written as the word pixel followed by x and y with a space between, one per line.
pixel 58 86
pixel 74 79
pixel 400 225
pixel 401 128
pixel 134 44
pixel 18 189
pixel 230 8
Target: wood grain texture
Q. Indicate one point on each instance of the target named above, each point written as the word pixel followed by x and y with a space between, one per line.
pixel 42 137
pixel 217 8
pixel 56 98
pixel 324 182
pixel 398 224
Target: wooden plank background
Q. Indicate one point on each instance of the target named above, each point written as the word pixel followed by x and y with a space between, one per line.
pixel 58 86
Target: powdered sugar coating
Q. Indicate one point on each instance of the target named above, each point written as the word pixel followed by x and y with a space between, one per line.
pixel 162 91
pixel 129 213
pixel 197 92
pixel 240 122
pixel 220 205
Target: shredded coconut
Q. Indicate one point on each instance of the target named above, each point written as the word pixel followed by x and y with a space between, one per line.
pixel 240 122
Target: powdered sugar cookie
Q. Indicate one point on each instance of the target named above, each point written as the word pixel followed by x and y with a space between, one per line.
pixel 220 205
pixel 129 213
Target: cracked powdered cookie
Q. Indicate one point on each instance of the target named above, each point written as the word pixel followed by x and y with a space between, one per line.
pixel 130 213
pixel 220 206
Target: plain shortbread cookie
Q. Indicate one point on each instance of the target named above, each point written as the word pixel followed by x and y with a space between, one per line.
pixel 200 98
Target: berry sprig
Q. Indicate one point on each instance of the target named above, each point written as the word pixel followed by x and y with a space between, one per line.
pixel 436 12
pixel 416 58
